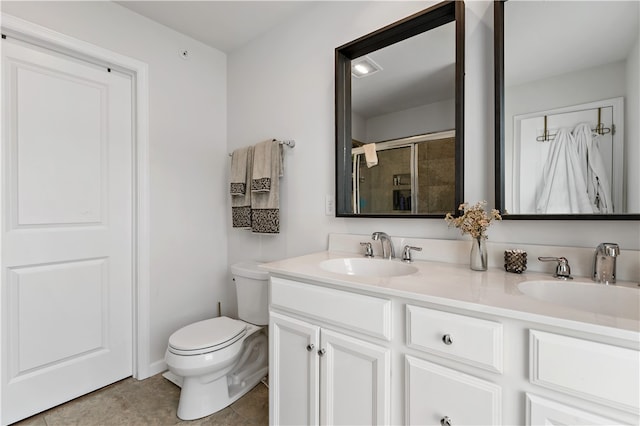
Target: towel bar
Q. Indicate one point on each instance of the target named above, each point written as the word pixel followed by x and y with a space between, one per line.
pixel 288 142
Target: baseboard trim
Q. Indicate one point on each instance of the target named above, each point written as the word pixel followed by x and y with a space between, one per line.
pixel 155 368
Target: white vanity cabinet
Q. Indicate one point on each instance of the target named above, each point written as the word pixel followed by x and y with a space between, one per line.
pixel 390 358
pixel 318 373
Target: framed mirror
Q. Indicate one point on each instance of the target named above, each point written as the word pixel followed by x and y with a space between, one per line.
pixel 567 106
pixel 399 104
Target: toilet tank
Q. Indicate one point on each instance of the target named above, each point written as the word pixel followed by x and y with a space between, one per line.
pixel 252 286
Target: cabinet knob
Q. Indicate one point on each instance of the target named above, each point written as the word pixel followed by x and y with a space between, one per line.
pixel 321 352
pixel 310 347
pixel 445 421
pixel 447 340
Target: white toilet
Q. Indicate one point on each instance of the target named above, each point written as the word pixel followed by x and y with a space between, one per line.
pixel 218 360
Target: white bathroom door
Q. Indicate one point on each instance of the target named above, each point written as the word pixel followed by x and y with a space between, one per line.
pixel 532 154
pixel 66 228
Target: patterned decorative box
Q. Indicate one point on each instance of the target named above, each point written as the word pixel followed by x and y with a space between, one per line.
pixel 515 261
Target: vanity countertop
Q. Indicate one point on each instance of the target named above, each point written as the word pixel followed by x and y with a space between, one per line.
pixel 493 292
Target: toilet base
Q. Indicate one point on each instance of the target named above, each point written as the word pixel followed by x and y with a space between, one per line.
pixel 199 398
pixel 173 378
pixel 196 403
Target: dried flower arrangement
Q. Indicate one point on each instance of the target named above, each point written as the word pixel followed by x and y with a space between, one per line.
pixel 475 220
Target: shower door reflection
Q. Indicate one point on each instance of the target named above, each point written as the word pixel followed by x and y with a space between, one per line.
pixel 386 187
pixel 410 178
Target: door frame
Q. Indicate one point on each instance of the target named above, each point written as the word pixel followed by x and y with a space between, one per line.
pixel 618 169
pixel 44 37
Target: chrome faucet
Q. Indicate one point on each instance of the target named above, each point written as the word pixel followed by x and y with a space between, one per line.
pixel 563 270
pixel 368 249
pixel 604 263
pixel 389 252
pixel 406 253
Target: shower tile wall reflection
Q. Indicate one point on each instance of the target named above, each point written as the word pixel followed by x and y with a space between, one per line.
pixel 380 184
pixel 436 176
pixel 387 187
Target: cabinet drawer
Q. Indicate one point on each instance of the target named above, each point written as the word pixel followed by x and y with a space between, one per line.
pixel 542 411
pixel 466 339
pixel 596 371
pixel 360 313
pixel 434 393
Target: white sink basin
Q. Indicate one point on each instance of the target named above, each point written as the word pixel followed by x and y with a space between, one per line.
pixel 602 299
pixel 364 267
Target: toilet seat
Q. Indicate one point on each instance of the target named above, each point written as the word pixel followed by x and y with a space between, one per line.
pixel 206 336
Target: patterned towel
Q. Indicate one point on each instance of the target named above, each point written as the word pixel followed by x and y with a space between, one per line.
pixel 241 200
pixel 261 171
pixel 265 198
pixel 239 175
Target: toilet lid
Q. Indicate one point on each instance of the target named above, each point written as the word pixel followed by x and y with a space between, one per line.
pixel 210 334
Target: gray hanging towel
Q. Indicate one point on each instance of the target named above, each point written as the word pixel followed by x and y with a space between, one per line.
pixel 265 199
pixel 241 200
pixel 239 174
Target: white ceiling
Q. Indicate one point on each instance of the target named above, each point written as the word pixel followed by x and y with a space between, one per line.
pixel 224 25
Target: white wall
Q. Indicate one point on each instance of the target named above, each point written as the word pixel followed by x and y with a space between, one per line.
pixel 358 128
pixel 188 155
pixel 579 87
pixel 632 127
pixel 430 118
pixel 282 86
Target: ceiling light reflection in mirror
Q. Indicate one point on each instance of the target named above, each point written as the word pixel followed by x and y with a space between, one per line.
pixel 399 130
pixel 412 94
pixel 401 95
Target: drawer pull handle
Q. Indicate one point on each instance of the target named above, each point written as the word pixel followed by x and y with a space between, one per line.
pixel 310 347
pixel 446 421
pixel 321 352
pixel 447 341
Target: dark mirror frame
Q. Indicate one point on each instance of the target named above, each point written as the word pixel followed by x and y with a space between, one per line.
pixel 435 16
pixel 498 32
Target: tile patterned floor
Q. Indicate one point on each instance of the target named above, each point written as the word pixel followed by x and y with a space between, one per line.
pixel 153 401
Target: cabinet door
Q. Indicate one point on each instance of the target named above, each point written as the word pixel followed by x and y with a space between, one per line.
pixel 436 395
pixel 293 371
pixel 354 381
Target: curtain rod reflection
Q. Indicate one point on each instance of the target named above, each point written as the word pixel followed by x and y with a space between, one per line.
pixel 600 129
